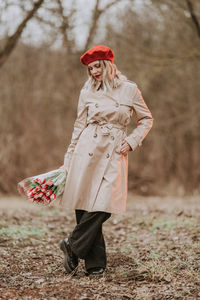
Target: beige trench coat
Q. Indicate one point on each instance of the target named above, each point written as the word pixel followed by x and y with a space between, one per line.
pixel 97 178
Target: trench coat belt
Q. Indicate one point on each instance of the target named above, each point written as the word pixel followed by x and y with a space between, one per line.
pixel 106 127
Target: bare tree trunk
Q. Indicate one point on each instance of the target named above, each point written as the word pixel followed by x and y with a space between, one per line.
pixel 193 16
pixel 95 18
pixel 65 27
pixel 12 40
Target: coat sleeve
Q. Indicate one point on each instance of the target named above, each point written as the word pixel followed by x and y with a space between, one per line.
pixel 144 120
pixel 79 125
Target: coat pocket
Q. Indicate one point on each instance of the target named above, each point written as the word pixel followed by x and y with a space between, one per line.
pixel 119 143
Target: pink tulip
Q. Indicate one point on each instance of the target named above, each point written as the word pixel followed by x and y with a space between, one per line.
pixel 30 194
pixel 50 182
pixel 49 193
pixel 53 196
pixel 44 185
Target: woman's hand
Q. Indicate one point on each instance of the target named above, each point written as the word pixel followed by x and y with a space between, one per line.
pixel 63 168
pixel 125 148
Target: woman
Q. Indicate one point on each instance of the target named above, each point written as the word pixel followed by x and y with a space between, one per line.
pixel 97 157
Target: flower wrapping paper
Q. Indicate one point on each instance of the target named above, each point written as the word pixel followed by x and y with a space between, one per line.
pixel 43 188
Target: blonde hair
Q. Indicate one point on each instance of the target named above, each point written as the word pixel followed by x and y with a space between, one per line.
pixel 111 77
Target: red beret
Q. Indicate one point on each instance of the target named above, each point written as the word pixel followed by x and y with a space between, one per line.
pixel 96 53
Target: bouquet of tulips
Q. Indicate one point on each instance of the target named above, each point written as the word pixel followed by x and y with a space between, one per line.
pixel 43 188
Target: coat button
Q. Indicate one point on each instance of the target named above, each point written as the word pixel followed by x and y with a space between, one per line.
pixel 112 137
pixel 96 104
pixel 95 135
pixel 90 153
pixel 107 155
pixel 117 104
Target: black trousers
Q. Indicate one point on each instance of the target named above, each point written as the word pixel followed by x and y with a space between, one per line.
pixel 87 241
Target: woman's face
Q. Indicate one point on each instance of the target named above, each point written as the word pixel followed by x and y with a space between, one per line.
pixel 95 70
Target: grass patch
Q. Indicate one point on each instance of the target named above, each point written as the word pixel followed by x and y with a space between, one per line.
pixel 18 231
pixel 48 212
pixel 170 223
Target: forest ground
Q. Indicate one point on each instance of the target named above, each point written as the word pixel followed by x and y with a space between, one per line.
pixel 152 253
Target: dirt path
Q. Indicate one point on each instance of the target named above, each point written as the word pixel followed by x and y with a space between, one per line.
pixel 153 252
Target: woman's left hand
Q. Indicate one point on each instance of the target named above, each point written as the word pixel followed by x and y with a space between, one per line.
pixel 125 148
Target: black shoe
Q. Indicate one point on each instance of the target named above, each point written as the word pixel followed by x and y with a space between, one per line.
pixel 70 259
pixel 95 271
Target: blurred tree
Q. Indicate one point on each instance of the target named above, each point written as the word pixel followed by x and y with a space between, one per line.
pixel 193 16
pixel 12 40
pixel 58 19
pixel 96 14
